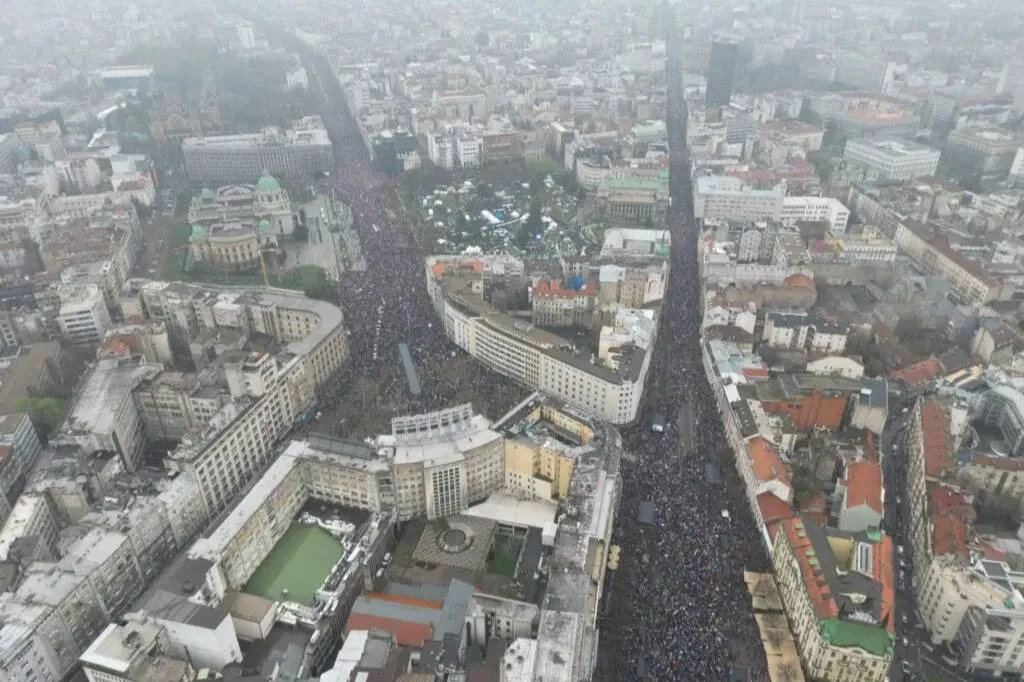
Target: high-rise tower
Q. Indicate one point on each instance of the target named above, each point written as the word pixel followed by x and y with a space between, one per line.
pixel 721 73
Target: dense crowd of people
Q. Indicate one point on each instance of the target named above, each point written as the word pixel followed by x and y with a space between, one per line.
pixel 678 608
pixel 682 611
pixel 388 303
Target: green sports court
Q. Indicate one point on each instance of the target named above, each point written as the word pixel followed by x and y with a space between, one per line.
pixel 298 563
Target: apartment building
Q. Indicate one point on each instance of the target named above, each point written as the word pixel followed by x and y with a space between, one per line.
pixel 83 316
pixel 8 149
pixel 533 357
pixel 31 516
pixel 991 640
pixel 837 590
pixel 79 579
pixel 988 150
pixel 59 608
pixel 815 209
pixel 930 250
pixel 172 404
pixel 803 332
pixel 555 306
pixel 892 159
pixel 303 151
pixel 133 652
pixel 867 247
pixel 104 416
pixel 721 197
pixel 269 392
pixel 967 603
pixel 19 450
pixel 862 495
pixel 767 482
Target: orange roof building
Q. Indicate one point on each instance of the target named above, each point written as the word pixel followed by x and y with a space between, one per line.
pixel 773 512
pixel 952 514
pixel 410 620
pixel 918 373
pixel 766 463
pixel 938 456
pixel 838 591
pixel 862 497
pixel 405 633
pixel 767 480
pixel 816 409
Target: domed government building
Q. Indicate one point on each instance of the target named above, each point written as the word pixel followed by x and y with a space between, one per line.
pixel 232 226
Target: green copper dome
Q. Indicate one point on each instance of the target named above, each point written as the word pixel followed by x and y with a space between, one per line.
pixel 198 232
pixel 264 226
pixel 207 194
pixel 267 183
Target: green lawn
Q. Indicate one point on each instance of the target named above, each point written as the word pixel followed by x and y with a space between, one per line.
pixel 504 555
pixel 298 563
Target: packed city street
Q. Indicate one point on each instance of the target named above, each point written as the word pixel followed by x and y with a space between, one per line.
pixel 678 608
pixel 388 303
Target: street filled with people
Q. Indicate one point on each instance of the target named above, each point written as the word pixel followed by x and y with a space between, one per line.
pixel 388 303
pixel 677 608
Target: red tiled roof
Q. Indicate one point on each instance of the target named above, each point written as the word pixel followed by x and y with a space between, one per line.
pixel 935 435
pixel 409 601
pixel 864 486
pixel 919 372
pixel 952 514
pixel 949 536
pixel 772 508
pixel 824 605
pixel 406 633
pixel 765 461
pixel 871 446
pixel 951 502
pixel 1001 463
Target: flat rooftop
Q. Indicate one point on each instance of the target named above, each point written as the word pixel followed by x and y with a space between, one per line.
pixel 117 644
pixel 896 146
pixel 103 393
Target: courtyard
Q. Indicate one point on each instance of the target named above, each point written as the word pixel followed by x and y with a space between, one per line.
pixel 297 566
